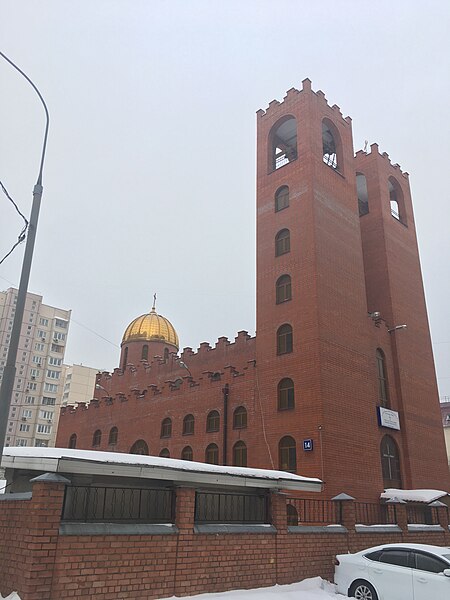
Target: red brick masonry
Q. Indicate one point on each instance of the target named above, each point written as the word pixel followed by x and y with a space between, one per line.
pixel 41 564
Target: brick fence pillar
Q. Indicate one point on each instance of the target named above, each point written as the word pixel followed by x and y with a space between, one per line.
pixel 400 513
pixel 278 511
pixel 184 509
pixel 443 519
pixel 346 510
pixel 42 534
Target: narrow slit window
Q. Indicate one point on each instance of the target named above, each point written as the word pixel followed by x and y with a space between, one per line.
pixel 383 390
pixel 363 196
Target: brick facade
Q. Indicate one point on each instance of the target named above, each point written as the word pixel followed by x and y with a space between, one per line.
pixel 343 268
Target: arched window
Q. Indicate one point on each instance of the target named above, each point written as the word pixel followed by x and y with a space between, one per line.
pixel 166 428
pixel 166 354
pixel 363 196
pixel 240 454
pixel 331 145
pixel 287 454
pixel 73 441
pixel 144 353
pixel 383 390
pixel 283 143
pixel 113 436
pixel 139 447
pixel 187 453
pixel 286 399
pixel 188 425
pixel 97 438
pixel 125 359
pixel 240 418
pixel 292 515
pixel 282 242
pixel 213 421
pixel 281 198
pixel 390 463
pixel 284 339
pixel 396 200
pixel 164 453
pixel 212 454
pixel 283 289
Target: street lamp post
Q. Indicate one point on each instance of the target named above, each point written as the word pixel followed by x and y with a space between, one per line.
pixel 9 372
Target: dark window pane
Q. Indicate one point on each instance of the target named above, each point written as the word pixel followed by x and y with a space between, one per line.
pixel 240 454
pixel 395 557
pixel 188 425
pixel 282 198
pixel 284 339
pixel 213 421
pixel 212 454
pixel 240 418
pixel 282 242
pixel 425 562
pixel 287 455
pixel 286 399
pixel 283 289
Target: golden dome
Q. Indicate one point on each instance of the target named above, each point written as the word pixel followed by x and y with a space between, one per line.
pixel 151 328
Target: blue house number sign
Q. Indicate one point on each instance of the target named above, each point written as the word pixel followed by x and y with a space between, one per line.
pixel 307 445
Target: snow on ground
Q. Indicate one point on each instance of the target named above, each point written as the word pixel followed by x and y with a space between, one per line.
pixel 308 589
pixel 2 486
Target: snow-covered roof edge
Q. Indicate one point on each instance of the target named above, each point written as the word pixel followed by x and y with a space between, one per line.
pixel 13 456
pixel 425 496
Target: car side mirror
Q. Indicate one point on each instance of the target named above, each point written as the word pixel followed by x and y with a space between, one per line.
pixel 447 572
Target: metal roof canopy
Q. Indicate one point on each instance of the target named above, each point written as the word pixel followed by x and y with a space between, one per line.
pixel 217 476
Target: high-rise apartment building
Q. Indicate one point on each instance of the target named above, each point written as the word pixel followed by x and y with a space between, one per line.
pixel 38 386
pixel 79 384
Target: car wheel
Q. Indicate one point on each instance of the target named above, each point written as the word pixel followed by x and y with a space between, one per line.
pixel 362 590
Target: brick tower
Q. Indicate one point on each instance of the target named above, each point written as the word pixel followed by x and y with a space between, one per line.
pixel 395 289
pixel 317 345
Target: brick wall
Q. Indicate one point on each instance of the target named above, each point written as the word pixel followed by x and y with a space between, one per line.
pixel 42 564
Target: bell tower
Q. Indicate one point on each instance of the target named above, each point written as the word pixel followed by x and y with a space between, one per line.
pixel 312 351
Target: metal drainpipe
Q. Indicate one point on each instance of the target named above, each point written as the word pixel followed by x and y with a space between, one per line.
pixel 225 392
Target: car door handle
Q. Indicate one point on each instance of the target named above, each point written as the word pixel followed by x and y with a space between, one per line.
pixel 421 580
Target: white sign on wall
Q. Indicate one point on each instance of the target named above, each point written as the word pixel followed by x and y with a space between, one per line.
pixel 388 418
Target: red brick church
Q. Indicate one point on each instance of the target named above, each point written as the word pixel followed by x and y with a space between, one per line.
pixel 339 382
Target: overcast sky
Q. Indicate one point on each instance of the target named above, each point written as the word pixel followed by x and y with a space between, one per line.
pixel 149 182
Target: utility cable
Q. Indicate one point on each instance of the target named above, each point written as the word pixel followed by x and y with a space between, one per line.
pixel 22 235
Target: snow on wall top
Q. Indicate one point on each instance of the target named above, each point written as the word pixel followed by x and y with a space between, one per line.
pixel 413 495
pixel 153 461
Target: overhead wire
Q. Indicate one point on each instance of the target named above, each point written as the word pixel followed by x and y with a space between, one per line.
pixel 22 234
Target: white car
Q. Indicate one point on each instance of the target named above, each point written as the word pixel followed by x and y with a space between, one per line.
pixel 395 572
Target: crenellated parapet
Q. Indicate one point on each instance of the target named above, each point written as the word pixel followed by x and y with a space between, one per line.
pixel 174 377
pixel 361 156
pixel 292 97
